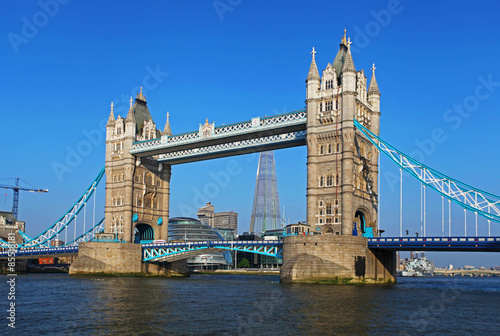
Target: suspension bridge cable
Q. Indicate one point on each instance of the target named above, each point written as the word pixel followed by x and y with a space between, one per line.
pixel 442 216
pixel 459 192
pixel 401 202
pixel 93 215
pixel 449 218
pixel 425 216
pixel 476 223
pixel 421 209
pixel 68 217
pixel 84 216
pixel 465 220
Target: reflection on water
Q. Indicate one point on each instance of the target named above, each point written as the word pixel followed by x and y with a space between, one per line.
pixel 254 305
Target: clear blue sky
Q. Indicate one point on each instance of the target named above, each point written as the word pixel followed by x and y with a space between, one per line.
pixel 233 60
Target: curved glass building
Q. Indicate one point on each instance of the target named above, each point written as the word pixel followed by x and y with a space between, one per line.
pixel 190 229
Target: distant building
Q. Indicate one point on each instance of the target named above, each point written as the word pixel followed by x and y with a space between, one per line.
pixel 268 261
pixel 225 222
pixel 227 234
pixel 190 229
pixel 266 203
pixel 206 214
pixel 10 225
pixel 253 258
pixel 56 243
pixel 298 229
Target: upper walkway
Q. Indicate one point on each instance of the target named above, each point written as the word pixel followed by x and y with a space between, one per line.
pixel 259 134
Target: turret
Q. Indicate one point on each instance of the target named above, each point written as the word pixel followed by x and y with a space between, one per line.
pixel 374 101
pixel 111 123
pixel 130 122
pixel 348 71
pixel 313 79
pixel 167 131
pixel 312 92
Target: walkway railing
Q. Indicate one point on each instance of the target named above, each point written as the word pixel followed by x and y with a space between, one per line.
pixel 254 125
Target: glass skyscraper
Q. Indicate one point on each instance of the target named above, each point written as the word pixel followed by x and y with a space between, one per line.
pixel 266 204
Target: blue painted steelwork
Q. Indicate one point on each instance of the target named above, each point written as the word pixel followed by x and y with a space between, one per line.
pixel 64 221
pixel 41 251
pixel 466 244
pixel 28 238
pixel 71 247
pixel 470 198
pixel 181 250
pixel 87 236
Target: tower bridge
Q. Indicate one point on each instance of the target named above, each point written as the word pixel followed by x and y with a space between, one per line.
pixel 340 128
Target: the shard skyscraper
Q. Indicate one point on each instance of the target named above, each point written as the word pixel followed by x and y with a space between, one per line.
pixel 266 204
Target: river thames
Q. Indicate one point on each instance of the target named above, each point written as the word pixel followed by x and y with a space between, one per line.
pixel 252 305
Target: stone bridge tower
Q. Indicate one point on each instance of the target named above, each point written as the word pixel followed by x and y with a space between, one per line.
pixel 137 190
pixel 342 171
pixel 342 166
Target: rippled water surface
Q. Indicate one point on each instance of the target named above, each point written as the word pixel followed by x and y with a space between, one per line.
pixel 252 305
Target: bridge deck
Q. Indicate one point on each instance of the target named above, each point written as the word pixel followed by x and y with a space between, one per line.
pixel 450 244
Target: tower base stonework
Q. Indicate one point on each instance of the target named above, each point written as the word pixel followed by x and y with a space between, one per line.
pixel 102 258
pixel 335 259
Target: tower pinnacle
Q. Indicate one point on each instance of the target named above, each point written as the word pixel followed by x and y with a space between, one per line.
pixel 373 87
pixel 313 69
pixel 167 130
pixel 141 96
pixel 348 63
pixel 111 119
pixel 130 116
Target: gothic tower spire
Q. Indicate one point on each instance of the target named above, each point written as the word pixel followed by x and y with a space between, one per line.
pixel 111 119
pixel 348 63
pixel 313 69
pixel 373 88
pixel 167 130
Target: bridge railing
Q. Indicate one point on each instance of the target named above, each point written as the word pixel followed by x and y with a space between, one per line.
pixel 256 124
pixel 237 145
pixel 435 239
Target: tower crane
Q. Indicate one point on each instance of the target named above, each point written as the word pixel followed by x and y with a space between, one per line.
pixel 17 188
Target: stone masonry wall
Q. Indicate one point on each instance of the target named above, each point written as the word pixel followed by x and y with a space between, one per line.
pixel 337 259
pixel 120 259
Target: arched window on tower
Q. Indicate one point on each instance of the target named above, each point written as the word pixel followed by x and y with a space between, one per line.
pixel 329 180
pixel 328 208
pixel 328 105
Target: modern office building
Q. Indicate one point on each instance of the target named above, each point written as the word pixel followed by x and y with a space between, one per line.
pixel 190 229
pixel 225 222
pixel 266 204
